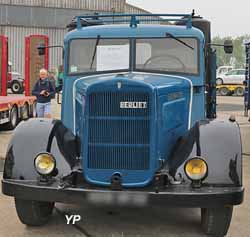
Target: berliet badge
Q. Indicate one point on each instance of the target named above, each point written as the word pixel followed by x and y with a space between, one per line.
pixel 133 105
pixel 119 85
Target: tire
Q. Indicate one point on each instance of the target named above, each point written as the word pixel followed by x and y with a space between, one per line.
pixel 33 213
pixel 25 112
pixel 239 91
pixel 32 110
pixel 216 221
pixel 16 87
pixel 13 119
pixel 219 81
pixel 224 91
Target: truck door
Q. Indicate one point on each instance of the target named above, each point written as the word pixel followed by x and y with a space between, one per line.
pixel 240 77
pixel 231 77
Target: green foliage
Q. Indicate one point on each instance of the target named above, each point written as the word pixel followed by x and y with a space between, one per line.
pixel 237 59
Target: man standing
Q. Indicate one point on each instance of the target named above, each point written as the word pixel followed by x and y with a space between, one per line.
pixel 44 92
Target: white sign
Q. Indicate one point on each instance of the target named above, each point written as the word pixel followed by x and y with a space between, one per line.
pixel 112 57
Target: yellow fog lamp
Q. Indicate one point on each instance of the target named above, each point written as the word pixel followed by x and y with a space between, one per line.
pixel 45 163
pixel 196 169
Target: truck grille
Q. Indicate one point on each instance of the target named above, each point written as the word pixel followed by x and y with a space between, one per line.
pixel 118 138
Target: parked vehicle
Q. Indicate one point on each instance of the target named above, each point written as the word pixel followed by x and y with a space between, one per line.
pixel 235 76
pixel 15 82
pixel 137 127
pixel 13 109
pixel 224 90
pixel 222 70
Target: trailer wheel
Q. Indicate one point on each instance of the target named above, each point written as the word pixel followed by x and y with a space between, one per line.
pixel 216 221
pixel 16 87
pixel 33 213
pixel 25 111
pixel 224 91
pixel 13 119
pixel 239 91
pixel 32 110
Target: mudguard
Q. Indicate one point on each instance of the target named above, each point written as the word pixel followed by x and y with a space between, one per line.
pixel 219 144
pixel 35 136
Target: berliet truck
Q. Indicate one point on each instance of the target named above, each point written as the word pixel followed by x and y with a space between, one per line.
pixel 138 124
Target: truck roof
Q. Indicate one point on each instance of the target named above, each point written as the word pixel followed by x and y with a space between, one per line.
pixel 141 30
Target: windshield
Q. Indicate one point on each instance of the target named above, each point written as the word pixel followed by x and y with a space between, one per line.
pixel 174 55
pixel 94 55
pixel 167 55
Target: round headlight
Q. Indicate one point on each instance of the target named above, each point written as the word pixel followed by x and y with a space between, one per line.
pixel 45 163
pixel 196 168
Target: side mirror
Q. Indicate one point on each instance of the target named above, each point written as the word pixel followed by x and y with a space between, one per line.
pixel 228 46
pixel 41 49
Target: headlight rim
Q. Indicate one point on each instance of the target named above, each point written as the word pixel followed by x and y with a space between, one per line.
pixel 200 158
pixel 53 158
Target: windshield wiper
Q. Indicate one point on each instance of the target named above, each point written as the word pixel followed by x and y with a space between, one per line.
pixel 180 41
pixel 93 57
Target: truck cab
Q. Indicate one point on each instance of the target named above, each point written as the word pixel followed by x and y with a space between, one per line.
pixel 138 122
pixel 130 93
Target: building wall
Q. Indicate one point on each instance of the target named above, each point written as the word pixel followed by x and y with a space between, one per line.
pixel 20 18
pixel 16 36
pixel 94 5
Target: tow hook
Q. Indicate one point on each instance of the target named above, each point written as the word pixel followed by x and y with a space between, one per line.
pixel 163 179
pixel 116 182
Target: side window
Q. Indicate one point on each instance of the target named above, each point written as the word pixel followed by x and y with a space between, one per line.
pixel 223 70
pixel 230 73
pixel 233 72
pixel 241 72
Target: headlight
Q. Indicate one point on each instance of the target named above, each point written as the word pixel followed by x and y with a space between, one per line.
pixel 45 163
pixel 196 169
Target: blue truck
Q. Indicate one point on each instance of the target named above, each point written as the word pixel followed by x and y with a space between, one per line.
pixel 138 124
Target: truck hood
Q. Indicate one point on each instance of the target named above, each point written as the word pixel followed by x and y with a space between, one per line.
pixel 158 82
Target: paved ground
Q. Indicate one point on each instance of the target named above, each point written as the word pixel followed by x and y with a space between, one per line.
pixel 138 222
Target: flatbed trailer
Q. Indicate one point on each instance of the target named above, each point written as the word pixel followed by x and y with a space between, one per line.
pixel 224 90
pixel 13 109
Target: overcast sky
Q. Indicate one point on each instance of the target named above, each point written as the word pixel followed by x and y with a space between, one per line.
pixel 229 18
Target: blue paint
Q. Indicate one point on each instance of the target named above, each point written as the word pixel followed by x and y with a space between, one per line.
pixel 165 121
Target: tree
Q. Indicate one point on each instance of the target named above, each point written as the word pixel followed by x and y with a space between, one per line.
pixel 237 59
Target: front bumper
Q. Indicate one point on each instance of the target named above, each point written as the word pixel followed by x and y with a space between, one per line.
pixel 183 196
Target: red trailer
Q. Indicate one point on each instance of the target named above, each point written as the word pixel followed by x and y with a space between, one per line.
pixel 16 108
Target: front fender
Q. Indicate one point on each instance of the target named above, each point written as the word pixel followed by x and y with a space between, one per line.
pixel 40 135
pixel 219 143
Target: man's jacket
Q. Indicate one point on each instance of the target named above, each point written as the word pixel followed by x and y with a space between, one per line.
pixel 43 85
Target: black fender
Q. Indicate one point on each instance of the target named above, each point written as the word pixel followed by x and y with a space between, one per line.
pixel 219 144
pixel 35 136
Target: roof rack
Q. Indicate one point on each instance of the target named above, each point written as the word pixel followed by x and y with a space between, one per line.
pixel 132 19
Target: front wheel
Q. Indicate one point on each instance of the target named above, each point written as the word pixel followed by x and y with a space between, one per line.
pixel 16 87
pixel 216 221
pixel 33 213
pixel 219 81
